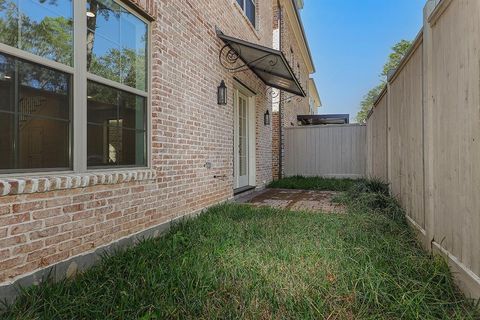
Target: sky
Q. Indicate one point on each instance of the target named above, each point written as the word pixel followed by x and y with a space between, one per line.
pixel 350 41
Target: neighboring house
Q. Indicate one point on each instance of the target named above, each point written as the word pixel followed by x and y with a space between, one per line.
pixel 289 37
pixel 110 134
pixel 314 97
pixel 319 119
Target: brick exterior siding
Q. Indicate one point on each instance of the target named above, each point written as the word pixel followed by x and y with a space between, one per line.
pixel 289 109
pixel 41 227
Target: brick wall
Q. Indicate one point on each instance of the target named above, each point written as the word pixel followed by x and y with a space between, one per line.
pixel 289 109
pixel 275 146
pixel 291 48
pixel 43 226
pixel 40 229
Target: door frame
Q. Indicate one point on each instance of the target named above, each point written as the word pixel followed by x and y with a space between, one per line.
pixel 251 123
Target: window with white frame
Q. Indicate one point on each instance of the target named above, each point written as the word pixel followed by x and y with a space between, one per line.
pixel 72 103
pixel 249 7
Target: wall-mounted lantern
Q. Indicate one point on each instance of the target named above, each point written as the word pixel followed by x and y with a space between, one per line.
pixel 266 118
pixel 222 94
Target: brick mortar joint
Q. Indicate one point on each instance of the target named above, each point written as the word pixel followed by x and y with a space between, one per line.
pixel 28 185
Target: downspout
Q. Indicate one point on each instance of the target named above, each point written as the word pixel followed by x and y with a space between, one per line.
pixel 280 103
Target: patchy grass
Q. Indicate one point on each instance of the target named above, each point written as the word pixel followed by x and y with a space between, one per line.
pixel 240 262
pixel 313 183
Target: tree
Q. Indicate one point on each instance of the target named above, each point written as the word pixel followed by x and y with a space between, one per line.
pixel 52 38
pixel 367 103
pixel 398 52
pixel 394 59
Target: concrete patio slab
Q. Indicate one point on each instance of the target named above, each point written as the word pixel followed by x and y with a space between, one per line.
pixel 299 200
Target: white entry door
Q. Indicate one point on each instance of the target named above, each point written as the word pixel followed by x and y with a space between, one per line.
pixel 242 143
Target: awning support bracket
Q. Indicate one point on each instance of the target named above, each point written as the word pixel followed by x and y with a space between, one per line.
pixel 268 64
pixel 273 96
pixel 229 57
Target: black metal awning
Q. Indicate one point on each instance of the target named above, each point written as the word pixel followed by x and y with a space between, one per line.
pixel 268 64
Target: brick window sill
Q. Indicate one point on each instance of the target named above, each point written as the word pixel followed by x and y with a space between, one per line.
pixel 26 185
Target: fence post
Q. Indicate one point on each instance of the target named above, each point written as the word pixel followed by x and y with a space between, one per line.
pixel 428 109
pixel 389 128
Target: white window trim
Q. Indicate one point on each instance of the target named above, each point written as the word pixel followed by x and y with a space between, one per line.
pixel 78 145
pixel 252 129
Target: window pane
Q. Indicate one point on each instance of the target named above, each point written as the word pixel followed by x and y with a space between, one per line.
pixel 250 10
pixel 132 111
pixel 116 127
pixel 44 28
pixel 43 143
pixel 43 92
pixel 115 146
pixel 116 44
pixel 240 2
pixel 102 144
pixel 7 132
pixel 35 116
pixel 135 153
pixel 102 103
pixel 134 39
pixel 7 83
pixel 103 39
pixel 106 103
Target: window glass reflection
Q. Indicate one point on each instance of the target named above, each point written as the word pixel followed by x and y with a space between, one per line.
pixel 116 43
pixel 250 10
pixel 116 127
pixel 44 28
pixel 35 116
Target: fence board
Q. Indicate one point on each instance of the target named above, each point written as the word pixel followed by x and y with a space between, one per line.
pixel 329 151
pixel 456 135
pixel 405 120
pixel 432 113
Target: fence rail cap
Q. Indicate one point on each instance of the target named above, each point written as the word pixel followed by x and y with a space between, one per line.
pixel 327 126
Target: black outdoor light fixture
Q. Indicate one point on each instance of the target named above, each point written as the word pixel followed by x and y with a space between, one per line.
pixel 266 118
pixel 222 94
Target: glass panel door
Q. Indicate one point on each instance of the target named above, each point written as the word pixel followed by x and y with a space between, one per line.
pixel 242 155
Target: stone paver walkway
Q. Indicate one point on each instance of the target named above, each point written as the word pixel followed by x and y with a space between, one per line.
pixel 300 200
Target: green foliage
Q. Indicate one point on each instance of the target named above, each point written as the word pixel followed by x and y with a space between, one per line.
pixel 367 103
pixel 369 186
pixel 373 195
pixel 313 183
pixel 52 38
pixel 241 262
pixel 398 52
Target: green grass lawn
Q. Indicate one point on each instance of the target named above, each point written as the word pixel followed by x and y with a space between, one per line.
pixel 239 262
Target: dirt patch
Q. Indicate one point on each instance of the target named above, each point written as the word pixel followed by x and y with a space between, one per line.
pixel 299 200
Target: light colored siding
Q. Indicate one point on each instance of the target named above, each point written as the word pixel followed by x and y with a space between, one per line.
pixel 329 151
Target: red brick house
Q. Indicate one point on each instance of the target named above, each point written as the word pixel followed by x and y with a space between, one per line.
pixel 289 37
pixel 112 123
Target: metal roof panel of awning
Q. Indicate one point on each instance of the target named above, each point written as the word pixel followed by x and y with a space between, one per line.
pixel 268 64
pixel 317 119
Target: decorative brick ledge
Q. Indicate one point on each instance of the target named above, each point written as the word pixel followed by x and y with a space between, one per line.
pixel 24 185
pixel 146 7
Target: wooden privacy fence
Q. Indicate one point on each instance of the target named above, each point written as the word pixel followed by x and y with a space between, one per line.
pixel 423 136
pixel 327 151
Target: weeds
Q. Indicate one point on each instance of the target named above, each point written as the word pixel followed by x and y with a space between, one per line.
pixel 240 262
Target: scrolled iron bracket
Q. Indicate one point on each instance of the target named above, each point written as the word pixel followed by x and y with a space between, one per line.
pixel 229 59
pixel 274 96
